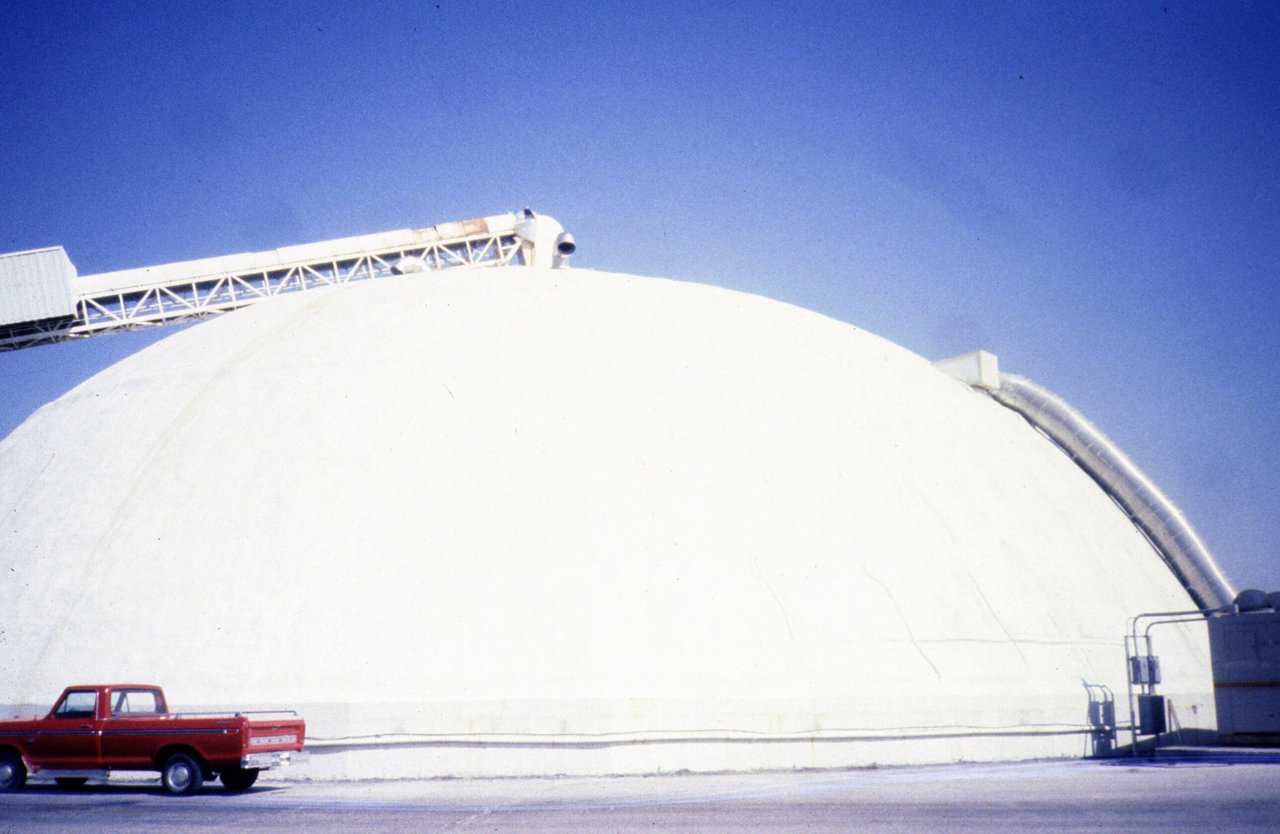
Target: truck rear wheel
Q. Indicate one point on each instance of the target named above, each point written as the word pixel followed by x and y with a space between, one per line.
pixel 13 773
pixel 181 774
pixel 239 778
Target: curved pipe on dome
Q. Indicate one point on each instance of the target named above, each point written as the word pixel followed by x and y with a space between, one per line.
pixel 546 243
pixel 1151 510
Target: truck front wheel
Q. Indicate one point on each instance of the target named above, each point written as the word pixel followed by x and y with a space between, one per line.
pixel 239 778
pixel 181 774
pixel 13 773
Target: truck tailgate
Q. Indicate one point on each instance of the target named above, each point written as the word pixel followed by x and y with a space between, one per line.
pixel 275 734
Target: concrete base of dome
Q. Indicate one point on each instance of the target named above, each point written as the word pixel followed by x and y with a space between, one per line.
pixel 411 760
pixel 637 737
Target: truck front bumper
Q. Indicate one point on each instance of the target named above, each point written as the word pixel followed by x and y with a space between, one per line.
pixel 265 761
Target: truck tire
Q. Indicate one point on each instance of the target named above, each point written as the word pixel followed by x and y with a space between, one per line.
pixel 71 782
pixel 181 774
pixel 13 773
pixel 238 779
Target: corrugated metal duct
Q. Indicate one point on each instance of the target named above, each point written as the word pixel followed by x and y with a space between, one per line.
pixel 1154 513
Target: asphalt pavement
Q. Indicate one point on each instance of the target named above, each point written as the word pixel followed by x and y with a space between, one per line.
pixel 1126 795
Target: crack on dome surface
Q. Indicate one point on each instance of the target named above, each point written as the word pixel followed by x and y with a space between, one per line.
pixel 903 618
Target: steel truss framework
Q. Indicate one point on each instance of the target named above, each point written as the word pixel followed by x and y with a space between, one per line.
pixel 206 295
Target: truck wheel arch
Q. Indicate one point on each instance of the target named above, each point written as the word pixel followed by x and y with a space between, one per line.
pixel 163 754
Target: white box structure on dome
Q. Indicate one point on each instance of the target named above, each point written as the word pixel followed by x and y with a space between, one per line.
pixel 36 285
pixel 979 369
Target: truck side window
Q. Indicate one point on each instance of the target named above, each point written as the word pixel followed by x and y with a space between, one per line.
pixel 78 704
pixel 134 701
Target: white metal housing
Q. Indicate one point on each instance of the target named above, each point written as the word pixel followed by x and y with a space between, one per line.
pixel 35 285
pixel 1246 675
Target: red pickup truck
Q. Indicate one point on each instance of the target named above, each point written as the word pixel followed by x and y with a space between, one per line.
pixel 95 729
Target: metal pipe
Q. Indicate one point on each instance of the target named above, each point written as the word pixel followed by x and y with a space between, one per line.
pixel 1149 508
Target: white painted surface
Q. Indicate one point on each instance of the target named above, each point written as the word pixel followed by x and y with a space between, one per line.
pixel 537 505
pixel 1246 673
pixel 978 368
pixel 543 232
pixel 35 284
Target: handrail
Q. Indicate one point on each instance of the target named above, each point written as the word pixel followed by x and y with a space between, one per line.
pixel 233 713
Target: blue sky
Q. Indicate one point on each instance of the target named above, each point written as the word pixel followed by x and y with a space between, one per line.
pixel 1091 191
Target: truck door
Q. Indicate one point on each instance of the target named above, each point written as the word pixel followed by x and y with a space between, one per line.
pixel 70 737
pixel 131 730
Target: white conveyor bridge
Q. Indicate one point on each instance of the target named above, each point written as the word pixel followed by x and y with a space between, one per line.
pixel 42 299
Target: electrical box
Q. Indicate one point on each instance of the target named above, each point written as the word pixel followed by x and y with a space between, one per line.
pixel 1144 668
pixel 1151 715
pixel 1102 713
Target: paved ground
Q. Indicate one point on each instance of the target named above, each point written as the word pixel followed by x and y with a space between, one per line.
pixel 1058 796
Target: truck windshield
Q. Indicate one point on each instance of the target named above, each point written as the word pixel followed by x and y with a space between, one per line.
pixel 78 704
pixel 135 702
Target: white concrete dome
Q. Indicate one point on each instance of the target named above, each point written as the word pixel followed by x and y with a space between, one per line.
pixel 524 520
